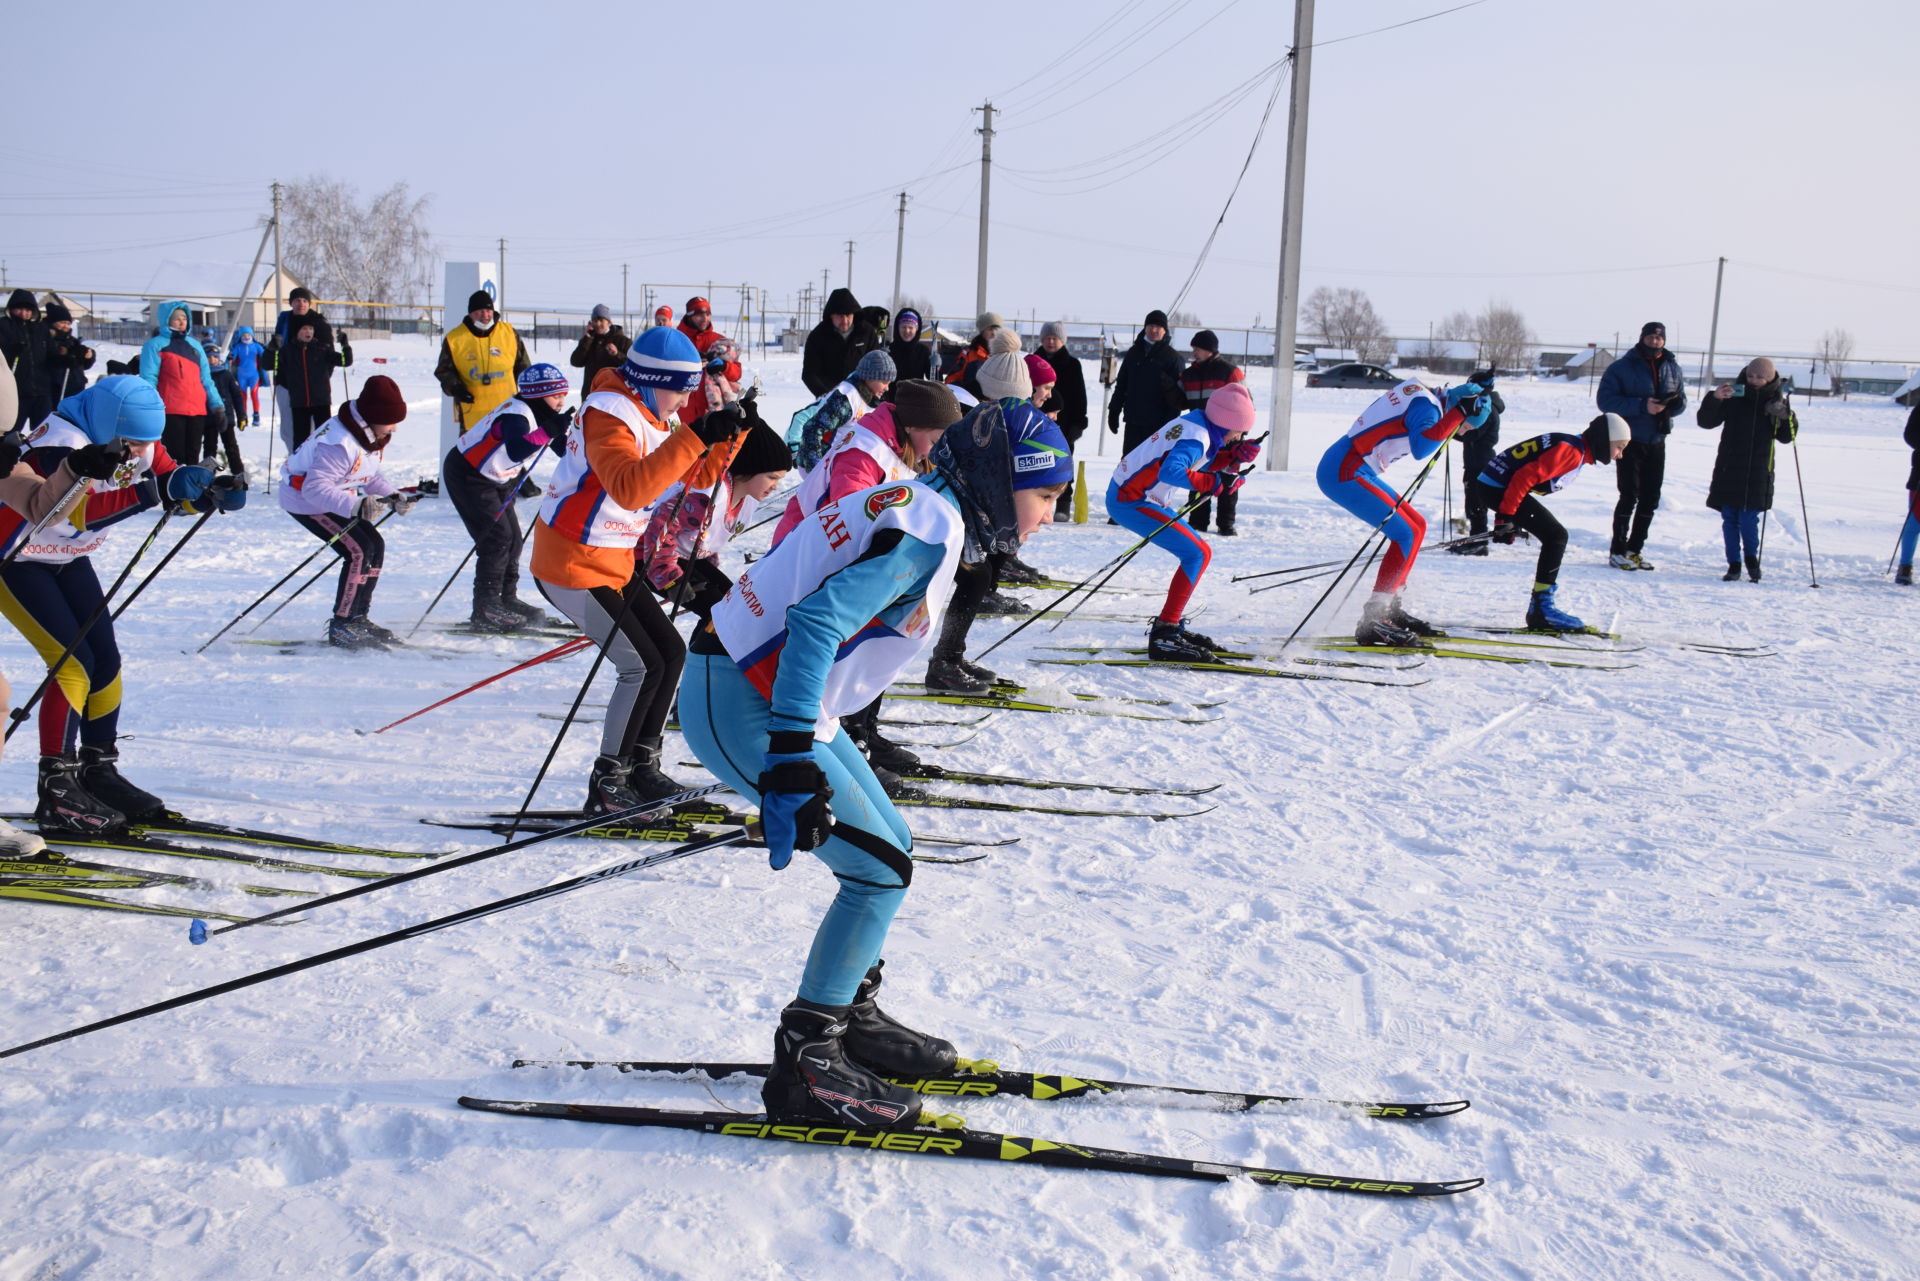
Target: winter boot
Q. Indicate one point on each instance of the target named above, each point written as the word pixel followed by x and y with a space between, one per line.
pixel 1418 626
pixel 976 671
pixel 15 843
pixel 1733 573
pixel 950 675
pixel 812 1078
pixel 492 616
pixel 1753 568
pixel 1903 577
pixel 256 420
pixel 1001 605
pixel 1620 560
pixel 883 1043
pixel 1378 628
pixel 884 752
pixel 100 775
pixel 347 633
pixel 1207 643
pixel 1639 561
pixel 645 778
pixel 1018 572
pixel 1544 616
pixel 67 806
pixel 535 616
pixel 608 790
pixel 379 633
pixel 1173 643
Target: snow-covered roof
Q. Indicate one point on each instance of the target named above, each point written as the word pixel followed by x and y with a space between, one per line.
pixel 1581 359
pixel 1801 374
pixel 1912 384
pixel 1880 372
pixel 1445 348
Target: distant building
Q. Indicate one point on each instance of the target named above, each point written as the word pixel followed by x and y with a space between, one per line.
pixel 1437 355
pixel 211 291
pixel 1908 393
pixel 1590 363
pixel 1869 379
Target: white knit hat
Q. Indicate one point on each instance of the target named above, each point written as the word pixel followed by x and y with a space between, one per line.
pixel 1004 373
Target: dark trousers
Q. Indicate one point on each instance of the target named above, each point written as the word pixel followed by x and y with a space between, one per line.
pixel 361 551
pixel 1639 474
pixel 184 437
pixel 306 419
pixel 1199 516
pixel 1477 449
pixel 1133 431
pixel 1533 517
pixel 486 509
pixel 971 583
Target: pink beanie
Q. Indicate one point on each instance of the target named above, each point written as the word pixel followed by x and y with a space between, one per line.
pixel 1040 369
pixel 1231 408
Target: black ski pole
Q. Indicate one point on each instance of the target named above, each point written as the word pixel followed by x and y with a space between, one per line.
pixel 199 933
pixel 1326 567
pixel 318 574
pixel 1813 576
pixel 19 715
pixel 610 872
pixel 232 622
pixel 512 497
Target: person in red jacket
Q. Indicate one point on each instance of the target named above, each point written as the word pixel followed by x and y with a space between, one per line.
pixel 1544 465
pixel 697 324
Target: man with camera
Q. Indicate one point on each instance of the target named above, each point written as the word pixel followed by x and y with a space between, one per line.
pixel 603 346
pixel 1645 388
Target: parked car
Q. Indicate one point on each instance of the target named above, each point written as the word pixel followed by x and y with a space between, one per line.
pixel 1354 375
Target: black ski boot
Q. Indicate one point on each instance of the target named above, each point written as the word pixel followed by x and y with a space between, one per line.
pixel 492 616
pixel 950 675
pixel 1000 605
pixel 347 633
pixel 535 616
pixel 1172 643
pixel 1402 619
pixel 1378 628
pixel 1019 573
pixel 608 788
pixel 813 1080
pixel 896 788
pixel 100 775
pixel 976 671
pixel 1903 577
pixel 1733 573
pixel 386 636
pixel 645 778
pixel 66 806
pixel 1753 568
pixel 883 1043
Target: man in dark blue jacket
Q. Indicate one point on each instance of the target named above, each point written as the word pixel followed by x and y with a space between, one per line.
pixel 1645 388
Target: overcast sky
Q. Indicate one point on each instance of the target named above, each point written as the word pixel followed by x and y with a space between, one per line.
pixel 1584 162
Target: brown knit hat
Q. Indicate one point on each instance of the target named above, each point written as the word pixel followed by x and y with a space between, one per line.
pixel 380 403
pixel 921 402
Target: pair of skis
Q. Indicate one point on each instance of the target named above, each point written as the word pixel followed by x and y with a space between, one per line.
pixel 945 1136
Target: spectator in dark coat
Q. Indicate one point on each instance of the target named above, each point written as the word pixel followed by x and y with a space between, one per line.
pixel 870 331
pixel 223 432
pixel 913 358
pixel 1147 392
pixel 603 346
pixel 1477 448
pixel 1209 372
pixel 829 352
pixel 68 359
pixel 304 378
pixel 1645 388
pixel 23 343
pixel 300 311
pixel 1910 528
pixel 1068 407
pixel 1754 414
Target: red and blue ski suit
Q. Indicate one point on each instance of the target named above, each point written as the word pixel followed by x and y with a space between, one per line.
pixel 1140 495
pixel 1409 419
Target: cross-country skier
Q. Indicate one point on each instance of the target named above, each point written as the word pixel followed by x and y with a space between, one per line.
pixel 624 452
pixel 1910 528
pixel 684 538
pixel 1409 419
pixel 51 590
pixel 332 485
pixel 1202 450
pixel 1545 465
pixel 810 633
pixel 245 360
pixel 482 472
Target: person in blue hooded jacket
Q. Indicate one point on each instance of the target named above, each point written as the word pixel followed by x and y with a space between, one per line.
pixel 1646 388
pixel 175 364
pixel 245 360
pixel 111 434
pixel 809 633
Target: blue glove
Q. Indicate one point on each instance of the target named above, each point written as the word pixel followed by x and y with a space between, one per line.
pixel 1472 401
pixel 186 483
pixel 228 493
pixel 794 813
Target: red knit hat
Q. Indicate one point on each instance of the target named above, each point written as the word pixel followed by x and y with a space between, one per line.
pixel 380 403
pixel 1040 369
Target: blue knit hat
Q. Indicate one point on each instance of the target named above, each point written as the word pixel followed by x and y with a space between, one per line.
pixel 542 380
pixel 1041 454
pixel 664 359
pixel 118 407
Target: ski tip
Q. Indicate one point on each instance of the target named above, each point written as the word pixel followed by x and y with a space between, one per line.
pixel 197 932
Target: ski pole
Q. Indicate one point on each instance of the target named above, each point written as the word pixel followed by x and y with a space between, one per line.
pixel 1813 576
pixel 277 586
pixel 318 574
pixel 610 872
pixel 60 509
pixel 19 715
pixel 199 933
pixel 1466 540
pixel 571 647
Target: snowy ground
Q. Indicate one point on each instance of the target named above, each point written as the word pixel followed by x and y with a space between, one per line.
pixel 1656 923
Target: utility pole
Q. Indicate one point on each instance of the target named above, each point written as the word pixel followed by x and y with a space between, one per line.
pixel 849 264
pixel 1713 334
pixel 899 250
pixel 986 184
pixel 823 285
pixel 278 301
pixel 500 286
pixel 1286 320
pixel 625 315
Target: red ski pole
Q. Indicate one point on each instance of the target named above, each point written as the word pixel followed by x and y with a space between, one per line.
pixel 572 646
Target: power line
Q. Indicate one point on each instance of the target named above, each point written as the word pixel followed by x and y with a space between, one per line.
pixel 1279 83
pixel 1106 27
pixel 1395 26
pixel 1120 79
pixel 150 244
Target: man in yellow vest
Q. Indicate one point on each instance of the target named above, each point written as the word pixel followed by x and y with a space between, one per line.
pixel 480 360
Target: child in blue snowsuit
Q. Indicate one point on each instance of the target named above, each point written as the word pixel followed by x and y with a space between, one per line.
pixel 246 367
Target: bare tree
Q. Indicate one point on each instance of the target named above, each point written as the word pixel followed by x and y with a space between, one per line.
pixel 1345 318
pixel 1428 353
pixel 1178 319
pixel 1456 326
pixel 1501 334
pixel 1835 349
pixel 342 249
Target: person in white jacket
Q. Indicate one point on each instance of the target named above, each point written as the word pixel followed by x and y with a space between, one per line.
pixel 332 485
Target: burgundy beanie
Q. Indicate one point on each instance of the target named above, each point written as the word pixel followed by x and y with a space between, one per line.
pixel 1040 369
pixel 380 402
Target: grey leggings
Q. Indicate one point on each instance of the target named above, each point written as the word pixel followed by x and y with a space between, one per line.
pixel 646 651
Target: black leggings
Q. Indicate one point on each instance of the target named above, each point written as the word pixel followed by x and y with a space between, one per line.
pixel 1639 475
pixel 1533 517
pixel 361 551
pixel 486 509
pixel 971 583
pixel 647 653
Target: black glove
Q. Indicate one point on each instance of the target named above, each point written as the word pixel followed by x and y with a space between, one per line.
pixel 1504 530
pixel 1776 409
pixel 10 454
pixel 794 809
pixel 95 462
pixel 717 428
